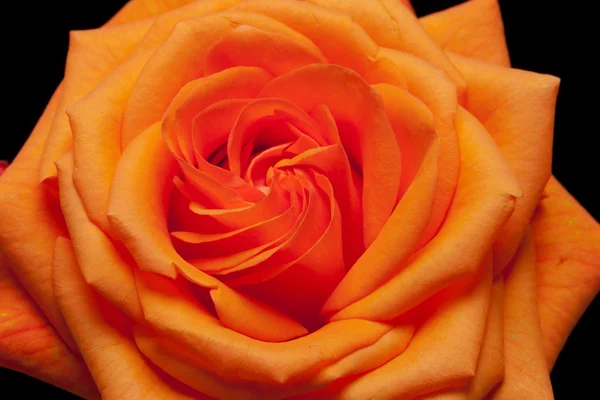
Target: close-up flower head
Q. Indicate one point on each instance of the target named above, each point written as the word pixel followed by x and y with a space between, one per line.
pixel 293 199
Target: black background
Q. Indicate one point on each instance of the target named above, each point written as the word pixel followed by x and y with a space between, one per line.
pixel 542 36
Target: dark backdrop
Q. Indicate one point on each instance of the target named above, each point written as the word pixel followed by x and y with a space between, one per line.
pixel 543 36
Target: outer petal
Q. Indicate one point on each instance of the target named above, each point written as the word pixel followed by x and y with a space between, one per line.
pixel 119 370
pixel 29 344
pixel 444 351
pixel 472 29
pixel 567 242
pixel 526 374
pixel 31 222
pixel 139 9
pixel 92 56
pixel 517 108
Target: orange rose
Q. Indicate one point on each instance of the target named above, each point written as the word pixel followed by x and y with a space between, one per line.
pixel 267 199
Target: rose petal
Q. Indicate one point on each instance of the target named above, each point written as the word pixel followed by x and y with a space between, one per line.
pixel 274 52
pixel 31 222
pixel 139 9
pixel 472 29
pixel 211 348
pixel 393 25
pixel 363 126
pixel 396 241
pixel 29 344
pixel 567 246
pixel 180 58
pixel 93 54
pixel 526 374
pixel 484 200
pixel 436 91
pixel 138 200
pixel 517 108
pixel 199 94
pixel 97 328
pixel 102 264
pixel 444 351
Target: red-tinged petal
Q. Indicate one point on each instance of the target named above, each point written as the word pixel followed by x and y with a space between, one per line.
pixel 526 372
pixel 192 245
pixel 252 127
pixel 484 201
pixel 92 56
pixel 517 108
pixel 199 94
pixel 178 61
pixel 29 343
pixel 363 127
pixel 300 286
pixel 472 29
pixel 567 246
pixel 100 332
pixel 3 166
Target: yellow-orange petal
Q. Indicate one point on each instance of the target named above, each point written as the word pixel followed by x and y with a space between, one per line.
pixel 199 94
pixel 526 372
pixel 472 29
pixel 29 343
pixel 102 265
pixel 100 331
pixel 31 222
pixel 138 200
pixel 393 25
pixel 93 55
pixel 275 52
pixel 444 351
pixel 96 155
pixel 212 348
pixel 517 108
pixel 363 126
pixel 178 61
pixel 395 243
pixel 484 200
pixel 140 9
pixel 567 246
pixel 433 87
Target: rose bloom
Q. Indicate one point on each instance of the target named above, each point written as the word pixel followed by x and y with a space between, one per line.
pixel 268 199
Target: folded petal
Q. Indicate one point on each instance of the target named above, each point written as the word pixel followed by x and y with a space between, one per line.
pixel 472 29
pixel 567 246
pixel 29 343
pixel 103 264
pixel 526 372
pixel 92 55
pixel 363 126
pixel 444 351
pixel 484 200
pixel 190 343
pixel 391 24
pixel 517 108
pixel 100 331
pixel 31 222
